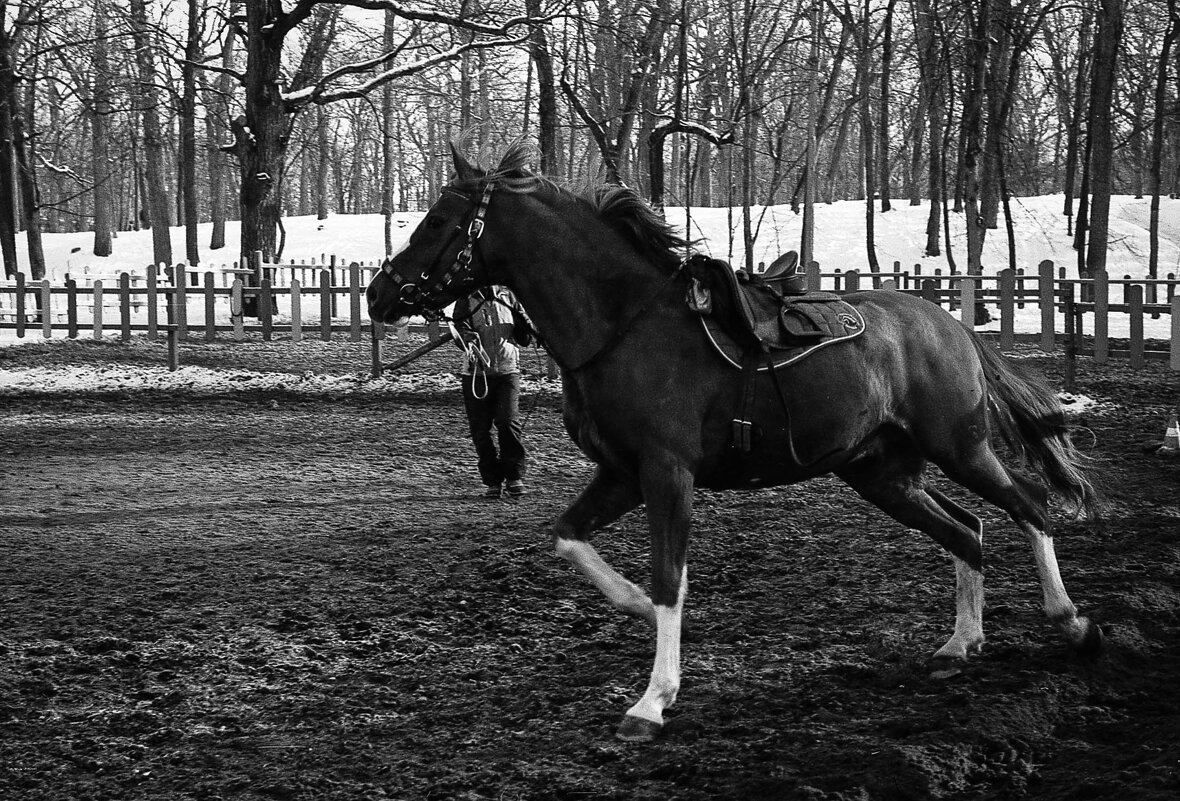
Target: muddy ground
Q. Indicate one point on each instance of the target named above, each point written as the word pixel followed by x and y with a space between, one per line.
pixel 280 593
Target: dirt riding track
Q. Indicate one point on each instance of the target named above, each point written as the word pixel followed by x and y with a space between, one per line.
pixel 274 592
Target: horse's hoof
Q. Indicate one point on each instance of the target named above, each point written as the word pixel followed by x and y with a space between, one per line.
pixel 1093 642
pixel 638 730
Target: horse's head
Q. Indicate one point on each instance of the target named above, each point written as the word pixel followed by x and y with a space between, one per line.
pixel 441 262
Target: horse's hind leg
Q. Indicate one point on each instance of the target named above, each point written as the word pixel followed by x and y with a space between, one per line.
pixel 896 485
pixel 1026 502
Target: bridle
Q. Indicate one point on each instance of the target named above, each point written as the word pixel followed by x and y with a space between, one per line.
pixel 422 293
pixel 412 293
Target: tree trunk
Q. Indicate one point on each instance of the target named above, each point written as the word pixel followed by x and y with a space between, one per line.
pixel 807 238
pixel 546 92
pixel 323 162
pixel 1157 139
pixel 1074 129
pixel 1109 35
pixel 972 135
pixel 867 142
pixel 153 145
pixel 188 134
pixel 218 166
pixel 387 139
pixel 259 133
pixel 99 110
pixel 883 122
pixel 1000 61
pixel 8 205
pixel 931 76
pixel 20 149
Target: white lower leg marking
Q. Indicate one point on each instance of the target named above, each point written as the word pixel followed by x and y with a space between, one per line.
pixel 621 593
pixel 968 636
pixel 1057 604
pixel 665 672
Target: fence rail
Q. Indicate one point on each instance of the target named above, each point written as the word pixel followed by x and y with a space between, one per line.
pixel 306 300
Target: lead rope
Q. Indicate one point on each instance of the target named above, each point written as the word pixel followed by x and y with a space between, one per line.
pixel 479 360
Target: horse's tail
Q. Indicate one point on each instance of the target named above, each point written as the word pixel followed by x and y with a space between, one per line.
pixel 1032 423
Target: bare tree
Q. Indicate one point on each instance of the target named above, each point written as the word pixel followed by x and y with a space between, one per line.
pixel 147 99
pixel 99 108
pixel 261 133
pixel 1157 135
pixel 1107 37
pixel 16 124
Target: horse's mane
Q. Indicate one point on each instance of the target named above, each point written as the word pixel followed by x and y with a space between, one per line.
pixel 621 207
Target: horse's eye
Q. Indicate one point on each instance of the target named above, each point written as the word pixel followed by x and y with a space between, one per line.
pixel 435 221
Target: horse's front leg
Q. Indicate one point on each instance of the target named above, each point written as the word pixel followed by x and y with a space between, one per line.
pixel 605 499
pixel 667 493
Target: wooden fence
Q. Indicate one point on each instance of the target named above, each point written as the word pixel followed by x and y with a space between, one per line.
pixel 195 304
pixel 304 300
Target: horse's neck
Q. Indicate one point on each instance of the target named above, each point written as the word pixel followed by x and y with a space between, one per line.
pixel 580 293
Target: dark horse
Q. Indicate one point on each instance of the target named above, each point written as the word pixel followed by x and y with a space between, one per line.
pixel 649 401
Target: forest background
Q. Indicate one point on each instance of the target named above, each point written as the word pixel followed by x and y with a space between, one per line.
pixel 130 114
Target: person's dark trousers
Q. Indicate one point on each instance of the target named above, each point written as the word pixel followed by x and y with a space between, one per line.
pixel 499 409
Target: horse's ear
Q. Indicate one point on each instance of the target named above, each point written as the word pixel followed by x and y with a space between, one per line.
pixel 463 168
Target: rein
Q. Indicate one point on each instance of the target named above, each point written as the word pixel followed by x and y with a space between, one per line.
pixel 617 336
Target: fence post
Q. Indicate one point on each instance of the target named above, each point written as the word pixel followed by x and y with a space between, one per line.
pixel 1101 316
pixel 930 291
pixel 96 297
pixel 71 308
pixel 967 301
pixel 332 272
pixel 180 301
pixel 1071 344
pixel 1047 295
pixel 153 304
pixel 296 310
pixel 1135 309
pixel 210 307
pixel 47 310
pixel 20 305
pixel 1007 309
pixel 354 301
pixel 325 305
pixel 173 353
pixel 852 281
pixel 813 278
pixel 125 307
pixel 237 309
pixel 266 309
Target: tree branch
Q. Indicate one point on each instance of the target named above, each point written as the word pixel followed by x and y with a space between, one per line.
pixel 319 95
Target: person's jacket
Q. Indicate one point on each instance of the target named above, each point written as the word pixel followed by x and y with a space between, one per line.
pixel 485 319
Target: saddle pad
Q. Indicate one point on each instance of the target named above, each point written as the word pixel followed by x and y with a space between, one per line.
pixel 831 322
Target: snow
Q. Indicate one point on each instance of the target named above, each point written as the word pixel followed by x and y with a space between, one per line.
pixel 72 379
pixel 839 240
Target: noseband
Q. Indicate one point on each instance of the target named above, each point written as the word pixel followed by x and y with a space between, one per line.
pixel 421 292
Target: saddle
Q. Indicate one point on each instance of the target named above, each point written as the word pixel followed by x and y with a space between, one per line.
pixel 770 312
pixel 764 322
